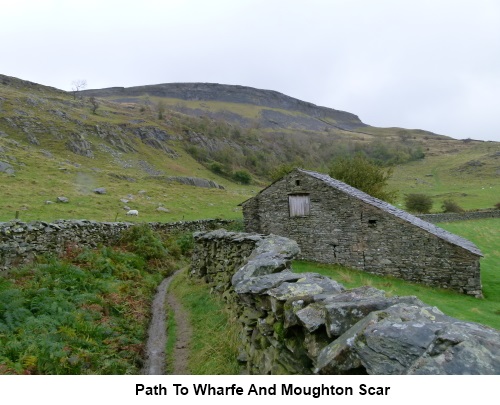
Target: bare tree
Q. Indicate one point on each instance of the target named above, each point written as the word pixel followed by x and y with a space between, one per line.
pixel 78 85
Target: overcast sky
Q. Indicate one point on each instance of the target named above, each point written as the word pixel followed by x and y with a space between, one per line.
pixel 433 65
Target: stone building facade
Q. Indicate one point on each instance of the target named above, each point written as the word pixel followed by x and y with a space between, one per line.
pixel 336 223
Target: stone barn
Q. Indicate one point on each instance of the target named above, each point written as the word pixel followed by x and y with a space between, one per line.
pixel 335 223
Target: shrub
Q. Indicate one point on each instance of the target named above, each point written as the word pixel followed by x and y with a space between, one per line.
pixel 216 168
pixel 451 206
pixel 242 176
pixel 186 243
pixel 497 206
pixel 281 170
pixel 361 173
pixel 180 244
pixel 143 241
pixel 420 203
pixel 61 318
pixel 236 226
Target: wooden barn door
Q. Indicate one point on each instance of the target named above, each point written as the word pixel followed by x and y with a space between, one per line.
pixel 299 205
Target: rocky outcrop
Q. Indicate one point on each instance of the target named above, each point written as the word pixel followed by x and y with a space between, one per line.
pixel 79 145
pixel 6 168
pixel 115 136
pixel 310 324
pixel 232 94
pixel 156 138
pixel 189 181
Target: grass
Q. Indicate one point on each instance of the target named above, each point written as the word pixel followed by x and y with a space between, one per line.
pixel 30 188
pixel 485 311
pixel 170 344
pixel 214 344
pixel 449 176
pixel 485 234
pixel 48 170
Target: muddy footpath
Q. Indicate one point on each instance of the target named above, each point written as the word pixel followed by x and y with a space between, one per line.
pixel 155 360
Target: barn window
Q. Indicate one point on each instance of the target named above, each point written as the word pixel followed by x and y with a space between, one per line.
pixel 299 205
pixel 297 182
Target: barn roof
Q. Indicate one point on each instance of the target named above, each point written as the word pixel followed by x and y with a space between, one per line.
pixel 405 216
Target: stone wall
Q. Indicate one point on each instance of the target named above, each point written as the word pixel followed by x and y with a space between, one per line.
pixel 309 324
pixel 453 217
pixel 21 242
pixel 354 232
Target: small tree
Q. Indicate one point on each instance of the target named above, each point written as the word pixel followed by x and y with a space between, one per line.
pixel 78 85
pixel 358 171
pixel 451 206
pixel 161 109
pixel 94 103
pixel 279 171
pixel 242 176
pixel 420 203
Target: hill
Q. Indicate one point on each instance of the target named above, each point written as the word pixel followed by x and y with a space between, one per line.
pixel 167 150
pixel 274 110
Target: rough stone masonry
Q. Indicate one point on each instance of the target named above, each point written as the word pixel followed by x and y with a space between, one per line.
pixel 21 242
pixel 335 223
pixel 310 324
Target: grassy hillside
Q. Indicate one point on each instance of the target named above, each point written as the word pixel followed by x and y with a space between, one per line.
pixel 37 124
pixel 469 174
pixel 467 171
pixel 52 144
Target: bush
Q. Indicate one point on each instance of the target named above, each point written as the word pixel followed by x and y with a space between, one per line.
pixel 242 176
pixel 216 168
pixel 497 206
pixel 180 244
pixel 451 206
pixel 420 203
pixel 141 240
pixel 186 243
pixel 281 170
pixel 89 316
pixel 361 173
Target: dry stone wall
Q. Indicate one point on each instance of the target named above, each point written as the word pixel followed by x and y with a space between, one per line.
pixel 310 324
pixel 454 217
pixel 21 242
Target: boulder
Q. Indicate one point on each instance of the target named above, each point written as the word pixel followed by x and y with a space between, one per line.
pixel 413 339
pixel 6 168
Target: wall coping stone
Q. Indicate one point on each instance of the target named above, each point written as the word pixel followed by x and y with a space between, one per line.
pixel 306 323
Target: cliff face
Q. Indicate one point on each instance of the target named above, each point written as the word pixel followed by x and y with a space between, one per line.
pixel 313 114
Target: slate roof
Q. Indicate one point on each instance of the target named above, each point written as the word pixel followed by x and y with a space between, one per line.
pixel 412 219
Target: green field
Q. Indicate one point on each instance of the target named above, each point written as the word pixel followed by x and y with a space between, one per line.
pixel 469 176
pixel 484 233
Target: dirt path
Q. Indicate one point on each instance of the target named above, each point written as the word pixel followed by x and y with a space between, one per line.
pixel 157 334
